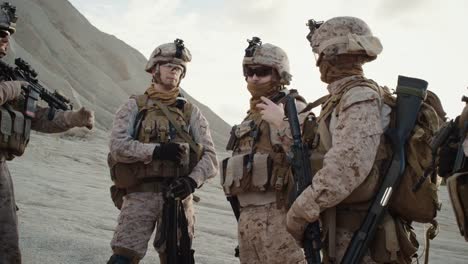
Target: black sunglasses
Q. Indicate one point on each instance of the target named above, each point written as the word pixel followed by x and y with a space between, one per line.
pixel 259 71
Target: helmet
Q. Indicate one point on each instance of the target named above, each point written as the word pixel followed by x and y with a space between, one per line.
pixel 175 52
pixel 344 35
pixel 268 55
pixel 8 17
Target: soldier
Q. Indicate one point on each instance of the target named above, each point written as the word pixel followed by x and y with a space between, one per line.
pixel 149 143
pixel 258 172
pixel 350 127
pixel 10 97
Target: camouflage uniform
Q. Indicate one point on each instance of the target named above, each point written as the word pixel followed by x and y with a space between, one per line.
pixel 9 93
pixel 262 232
pixel 350 132
pixel 9 249
pixel 141 212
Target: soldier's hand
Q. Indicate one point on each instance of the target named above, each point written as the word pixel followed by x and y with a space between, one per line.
pixel 12 89
pixel 169 151
pixel 182 187
pixel 303 211
pixel 271 112
pixel 82 118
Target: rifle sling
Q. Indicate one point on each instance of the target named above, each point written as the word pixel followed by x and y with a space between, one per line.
pixel 181 132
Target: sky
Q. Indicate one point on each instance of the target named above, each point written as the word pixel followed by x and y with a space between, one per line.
pixel 426 39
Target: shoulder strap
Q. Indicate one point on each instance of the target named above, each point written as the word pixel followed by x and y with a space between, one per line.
pixel 315 103
pixel 181 132
pixel 141 100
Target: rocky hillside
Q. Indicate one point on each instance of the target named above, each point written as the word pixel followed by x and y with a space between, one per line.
pixel 93 68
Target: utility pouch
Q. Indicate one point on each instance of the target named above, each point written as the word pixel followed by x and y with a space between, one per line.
pixel 18 140
pixel 5 128
pixel 232 139
pixel 124 175
pixel 394 242
pixel 458 190
pixel 238 180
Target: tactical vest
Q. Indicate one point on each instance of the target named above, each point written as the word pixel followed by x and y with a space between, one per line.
pixel 153 126
pixel 394 240
pixel 15 130
pixel 257 164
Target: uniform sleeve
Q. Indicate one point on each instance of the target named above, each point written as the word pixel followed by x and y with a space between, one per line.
pixel 42 123
pixel 123 147
pixel 207 167
pixel 9 90
pixel 349 161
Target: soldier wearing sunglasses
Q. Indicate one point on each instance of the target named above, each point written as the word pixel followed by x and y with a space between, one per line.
pixel 256 178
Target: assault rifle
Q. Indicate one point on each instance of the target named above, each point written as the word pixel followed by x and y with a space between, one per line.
pixel 303 174
pixel 178 251
pixel 410 94
pixel 35 90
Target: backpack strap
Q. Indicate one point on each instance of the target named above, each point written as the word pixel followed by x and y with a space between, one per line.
pixel 315 103
pixel 142 102
pixel 194 146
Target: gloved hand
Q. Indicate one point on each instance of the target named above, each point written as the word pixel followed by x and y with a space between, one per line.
pixel 11 89
pixel 182 187
pixel 169 151
pixel 80 118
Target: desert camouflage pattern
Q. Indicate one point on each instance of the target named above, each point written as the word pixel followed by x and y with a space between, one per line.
pixel 355 138
pixel 7 22
pixel 141 212
pixel 9 90
pixel 9 248
pixel 270 55
pixel 166 53
pixel 124 148
pixel 345 35
pixel 263 237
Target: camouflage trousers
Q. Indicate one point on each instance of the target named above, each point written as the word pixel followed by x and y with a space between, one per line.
pixel 140 214
pixel 343 238
pixel 9 248
pixel 263 237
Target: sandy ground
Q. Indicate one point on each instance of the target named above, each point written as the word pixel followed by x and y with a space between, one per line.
pixel 66 215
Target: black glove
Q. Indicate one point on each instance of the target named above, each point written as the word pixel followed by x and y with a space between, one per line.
pixel 168 151
pixel 182 187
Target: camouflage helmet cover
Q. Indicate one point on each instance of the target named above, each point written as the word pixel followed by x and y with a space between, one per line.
pixel 174 52
pixel 8 17
pixel 344 35
pixel 271 56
